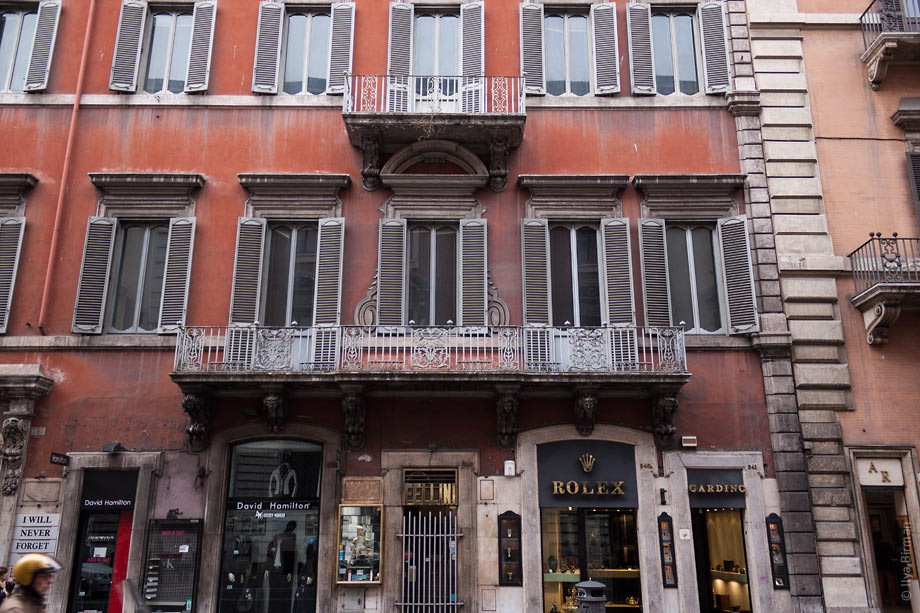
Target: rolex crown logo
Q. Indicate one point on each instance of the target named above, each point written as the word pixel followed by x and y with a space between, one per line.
pixel 587 462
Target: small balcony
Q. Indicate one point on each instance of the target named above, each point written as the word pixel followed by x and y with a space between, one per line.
pixel 891 34
pixel 385 113
pixel 886 272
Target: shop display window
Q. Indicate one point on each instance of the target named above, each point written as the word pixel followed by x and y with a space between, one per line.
pixel 173 560
pixel 721 560
pixel 510 569
pixel 359 544
pixel 271 528
pixel 582 544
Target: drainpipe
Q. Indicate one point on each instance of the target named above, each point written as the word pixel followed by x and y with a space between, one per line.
pixel 65 172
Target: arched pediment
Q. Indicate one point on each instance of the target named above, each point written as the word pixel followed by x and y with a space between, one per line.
pixel 435 152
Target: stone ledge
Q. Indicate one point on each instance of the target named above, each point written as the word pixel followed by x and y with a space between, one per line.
pixel 12 187
pixel 103 342
pixel 126 194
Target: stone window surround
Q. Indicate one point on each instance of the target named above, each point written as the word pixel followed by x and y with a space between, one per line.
pixel 574 197
pixel 689 197
pixel 143 195
pixel 761 499
pixel 13 186
pixel 216 458
pixel 294 197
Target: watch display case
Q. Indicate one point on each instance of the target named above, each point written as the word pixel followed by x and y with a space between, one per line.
pixel 360 544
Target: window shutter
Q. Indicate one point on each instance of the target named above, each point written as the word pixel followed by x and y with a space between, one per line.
pixel 247 270
pixel 341 46
pixel 535 257
pixel 327 308
pixel 399 56
pixel 11 229
pixel 473 282
pixel 128 41
pixel 739 275
pixel 656 289
pixel 532 48
pixel 94 275
pixel 42 48
pixel 268 48
pixel 641 61
pixel 176 273
pixel 199 57
pixel 716 71
pixel 617 271
pixel 606 48
pixel 391 272
pixel 913 165
pixel 472 51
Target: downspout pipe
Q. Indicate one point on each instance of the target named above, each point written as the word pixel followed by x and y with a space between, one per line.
pixel 65 172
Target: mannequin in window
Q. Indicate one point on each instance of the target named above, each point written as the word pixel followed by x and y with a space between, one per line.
pixel 239 589
pixel 281 558
pixel 305 596
pixel 282 483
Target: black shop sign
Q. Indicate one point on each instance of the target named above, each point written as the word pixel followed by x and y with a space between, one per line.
pixel 109 490
pixel 715 488
pixel 597 474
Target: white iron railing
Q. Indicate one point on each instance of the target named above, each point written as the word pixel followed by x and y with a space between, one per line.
pixel 425 94
pixel 529 349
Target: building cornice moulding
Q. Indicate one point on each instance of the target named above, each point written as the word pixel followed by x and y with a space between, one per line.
pixel 13 186
pixel 907 117
pixel 126 194
pixel 689 196
pixel 294 196
pixel 574 196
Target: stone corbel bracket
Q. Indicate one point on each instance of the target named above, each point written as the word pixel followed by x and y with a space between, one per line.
pixel 294 196
pixel 15 432
pixel 888 47
pixel 881 306
pixel 589 197
pixel 274 404
pixel 585 410
pixel 159 194
pixel 744 103
pixel 664 409
pixel 12 192
pixel 21 385
pixel 506 412
pixel 196 405
pixel 353 411
pixel 689 196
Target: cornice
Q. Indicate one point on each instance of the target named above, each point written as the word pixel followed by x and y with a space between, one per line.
pixel 574 196
pixel 907 117
pixel 141 193
pixel 290 196
pixel 689 196
pixel 13 186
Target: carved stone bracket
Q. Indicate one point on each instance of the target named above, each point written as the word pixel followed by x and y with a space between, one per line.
pixel 744 103
pixel 879 319
pixel 14 431
pixel 663 412
pixel 498 160
pixel 506 410
pixel 877 63
pixel 274 403
pixel 196 406
pixel 585 411
pixel 370 167
pixel 353 409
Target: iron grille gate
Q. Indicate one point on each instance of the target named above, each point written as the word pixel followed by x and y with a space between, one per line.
pixel 429 578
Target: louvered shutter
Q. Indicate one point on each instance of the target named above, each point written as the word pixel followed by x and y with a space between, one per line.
pixel 535 258
pixel 472 52
pixel 391 272
pixel 473 281
pixel 716 69
pixel 199 57
pixel 399 56
pixel 617 271
pixel 11 230
pixel 177 271
pixel 913 166
pixel 42 47
pixel 247 270
pixel 94 275
pixel 739 275
pixel 656 288
pixel 268 48
pixel 328 297
pixel 128 41
pixel 606 48
pixel 341 46
pixel 641 61
pixel 532 59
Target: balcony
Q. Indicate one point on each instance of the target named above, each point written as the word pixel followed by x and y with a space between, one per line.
pixel 891 34
pixel 384 113
pixel 886 272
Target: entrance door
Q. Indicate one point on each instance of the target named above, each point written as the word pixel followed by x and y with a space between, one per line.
pixel 721 561
pixel 891 550
pixel 102 561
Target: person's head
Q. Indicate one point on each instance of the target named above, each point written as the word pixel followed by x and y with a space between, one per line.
pixel 34 572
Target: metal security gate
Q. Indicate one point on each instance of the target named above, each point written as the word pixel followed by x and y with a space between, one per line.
pixel 429 577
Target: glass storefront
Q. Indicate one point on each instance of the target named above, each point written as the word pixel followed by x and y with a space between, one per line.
pixel 271 528
pixel 721 563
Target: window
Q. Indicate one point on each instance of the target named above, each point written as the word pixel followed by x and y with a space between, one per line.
pixel 436 52
pixel 694 279
pixel 570 53
pixel 290 275
pixel 173 43
pixel 137 277
pixel 670 49
pixel 26 41
pixel 310 49
pixel 575 272
pixel 432 270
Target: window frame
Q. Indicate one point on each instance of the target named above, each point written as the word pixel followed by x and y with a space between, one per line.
pixel 566 13
pixel 22 11
pixel 311 11
pixel 296 227
pixel 437 13
pixel 671 13
pixel 719 273
pixel 175 11
pixel 433 228
pixel 573 228
pixel 123 224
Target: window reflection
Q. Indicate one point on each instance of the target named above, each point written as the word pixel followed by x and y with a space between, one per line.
pixel 137 278
pixel 432 276
pixel 693 278
pixel 567 57
pixel 675 54
pixel 306 53
pixel 575 275
pixel 168 53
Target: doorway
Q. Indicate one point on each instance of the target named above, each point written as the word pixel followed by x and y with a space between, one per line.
pixel 721 560
pixel 892 554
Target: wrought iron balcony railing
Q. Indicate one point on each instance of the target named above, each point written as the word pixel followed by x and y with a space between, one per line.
pixel 886 260
pixel 425 94
pixel 419 349
pixel 884 16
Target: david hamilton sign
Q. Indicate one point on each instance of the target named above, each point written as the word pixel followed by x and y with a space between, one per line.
pixel 34 533
pixel 587 473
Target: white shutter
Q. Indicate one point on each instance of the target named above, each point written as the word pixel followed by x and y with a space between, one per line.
pixel 656 288
pixel 199 56
pixel 532 58
pixel 268 48
pixel 247 270
pixel 473 283
pixel 472 52
pixel 327 308
pixel 739 275
pixel 176 273
pixel 42 47
pixel 606 48
pixel 11 230
pixel 399 56
pixel 641 60
pixel 535 259
pixel 89 308
pixel 617 271
pixel 128 41
pixel 341 46
pixel 391 272
pixel 716 70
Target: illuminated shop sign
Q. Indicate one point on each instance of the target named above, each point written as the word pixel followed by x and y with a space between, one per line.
pixel 581 473
pixel 715 488
pixel 109 490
